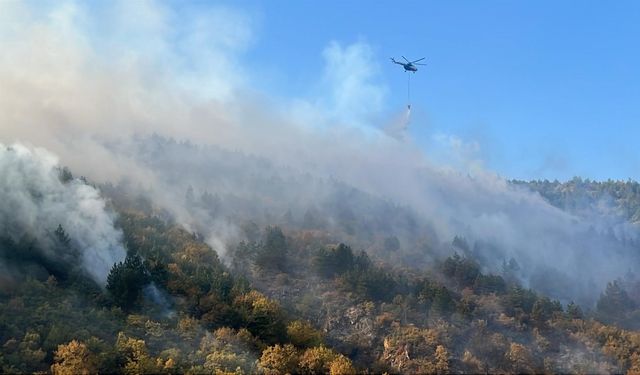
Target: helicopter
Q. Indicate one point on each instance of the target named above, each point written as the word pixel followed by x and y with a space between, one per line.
pixel 410 66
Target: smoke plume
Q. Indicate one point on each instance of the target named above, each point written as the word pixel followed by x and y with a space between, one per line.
pixel 35 201
pixel 95 86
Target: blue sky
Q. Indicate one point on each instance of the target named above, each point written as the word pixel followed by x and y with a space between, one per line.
pixel 528 89
pixel 546 89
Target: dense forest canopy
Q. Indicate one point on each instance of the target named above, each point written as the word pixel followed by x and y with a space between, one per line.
pixel 350 283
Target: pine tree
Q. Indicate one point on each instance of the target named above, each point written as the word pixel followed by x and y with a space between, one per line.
pixel 272 254
pixel 126 280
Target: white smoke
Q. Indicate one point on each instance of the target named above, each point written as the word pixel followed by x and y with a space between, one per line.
pixel 84 93
pixel 35 201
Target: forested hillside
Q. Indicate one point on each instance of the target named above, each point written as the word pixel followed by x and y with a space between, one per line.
pixel 290 297
pixel 621 198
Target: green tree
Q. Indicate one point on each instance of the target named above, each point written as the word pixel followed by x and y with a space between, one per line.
pixel 126 280
pixel 544 308
pixel 436 297
pixel 272 255
pixel 333 260
pixel 262 317
pixel 61 236
pixel 520 298
pixel 486 284
pixel 574 311
pixel 30 352
pixel 464 271
pixel 64 174
pixel 614 304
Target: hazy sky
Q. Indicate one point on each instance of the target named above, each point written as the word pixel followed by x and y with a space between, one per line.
pixel 529 89
pixel 547 89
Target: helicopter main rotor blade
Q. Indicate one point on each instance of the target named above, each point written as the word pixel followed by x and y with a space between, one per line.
pixel 405 59
pixel 419 64
pixel 418 60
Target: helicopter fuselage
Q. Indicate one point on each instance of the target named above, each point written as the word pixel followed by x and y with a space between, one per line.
pixel 410 68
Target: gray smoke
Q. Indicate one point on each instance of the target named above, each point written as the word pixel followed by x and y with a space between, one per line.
pixel 35 201
pixel 178 75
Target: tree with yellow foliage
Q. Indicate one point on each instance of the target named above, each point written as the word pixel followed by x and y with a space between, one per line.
pixel 317 360
pixel 520 358
pixel 30 350
pixel 279 360
pixel 73 358
pixel 634 369
pixel 228 361
pixel 138 360
pixel 302 334
pixel 341 365
pixel 442 360
pixel 262 316
pixel 322 360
